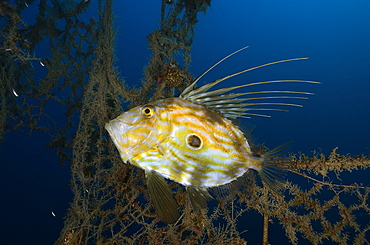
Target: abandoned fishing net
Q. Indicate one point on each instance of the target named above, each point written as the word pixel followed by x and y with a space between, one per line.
pixel 111 203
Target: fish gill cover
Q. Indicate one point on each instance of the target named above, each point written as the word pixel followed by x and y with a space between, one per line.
pixel 110 203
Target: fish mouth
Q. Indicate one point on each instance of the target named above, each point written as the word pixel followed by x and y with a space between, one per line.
pixel 113 127
pixel 117 131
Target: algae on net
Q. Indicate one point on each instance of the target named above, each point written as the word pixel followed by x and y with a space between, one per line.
pixel 110 204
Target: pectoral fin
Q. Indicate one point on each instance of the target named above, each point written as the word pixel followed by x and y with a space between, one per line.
pixel 198 198
pixel 161 197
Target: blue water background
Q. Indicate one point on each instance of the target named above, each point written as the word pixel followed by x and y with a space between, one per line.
pixel 335 35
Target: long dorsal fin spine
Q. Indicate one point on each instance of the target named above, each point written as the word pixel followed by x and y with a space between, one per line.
pixel 192 85
pixel 189 91
pixel 220 91
pixel 229 104
pixel 225 100
pixel 223 106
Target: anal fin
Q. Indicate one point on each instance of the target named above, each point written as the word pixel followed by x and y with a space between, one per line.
pixel 198 198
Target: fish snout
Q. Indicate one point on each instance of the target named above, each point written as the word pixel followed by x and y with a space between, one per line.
pixel 117 131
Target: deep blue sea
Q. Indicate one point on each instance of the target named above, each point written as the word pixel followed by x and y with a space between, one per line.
pixel 334 35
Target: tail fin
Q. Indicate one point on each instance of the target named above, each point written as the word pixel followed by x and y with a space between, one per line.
pixel 274 169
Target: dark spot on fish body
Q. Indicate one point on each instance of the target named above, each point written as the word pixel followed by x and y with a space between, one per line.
pixel 194 141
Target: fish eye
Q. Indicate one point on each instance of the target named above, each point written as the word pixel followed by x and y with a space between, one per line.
pixel 194 141
pixel 148 111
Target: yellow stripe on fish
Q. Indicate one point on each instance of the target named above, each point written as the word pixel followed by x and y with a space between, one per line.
pixel 190 140
pixel 203 148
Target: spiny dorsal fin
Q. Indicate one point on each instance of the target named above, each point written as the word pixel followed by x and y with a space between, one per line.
pixel 191 87
pixel 229 104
